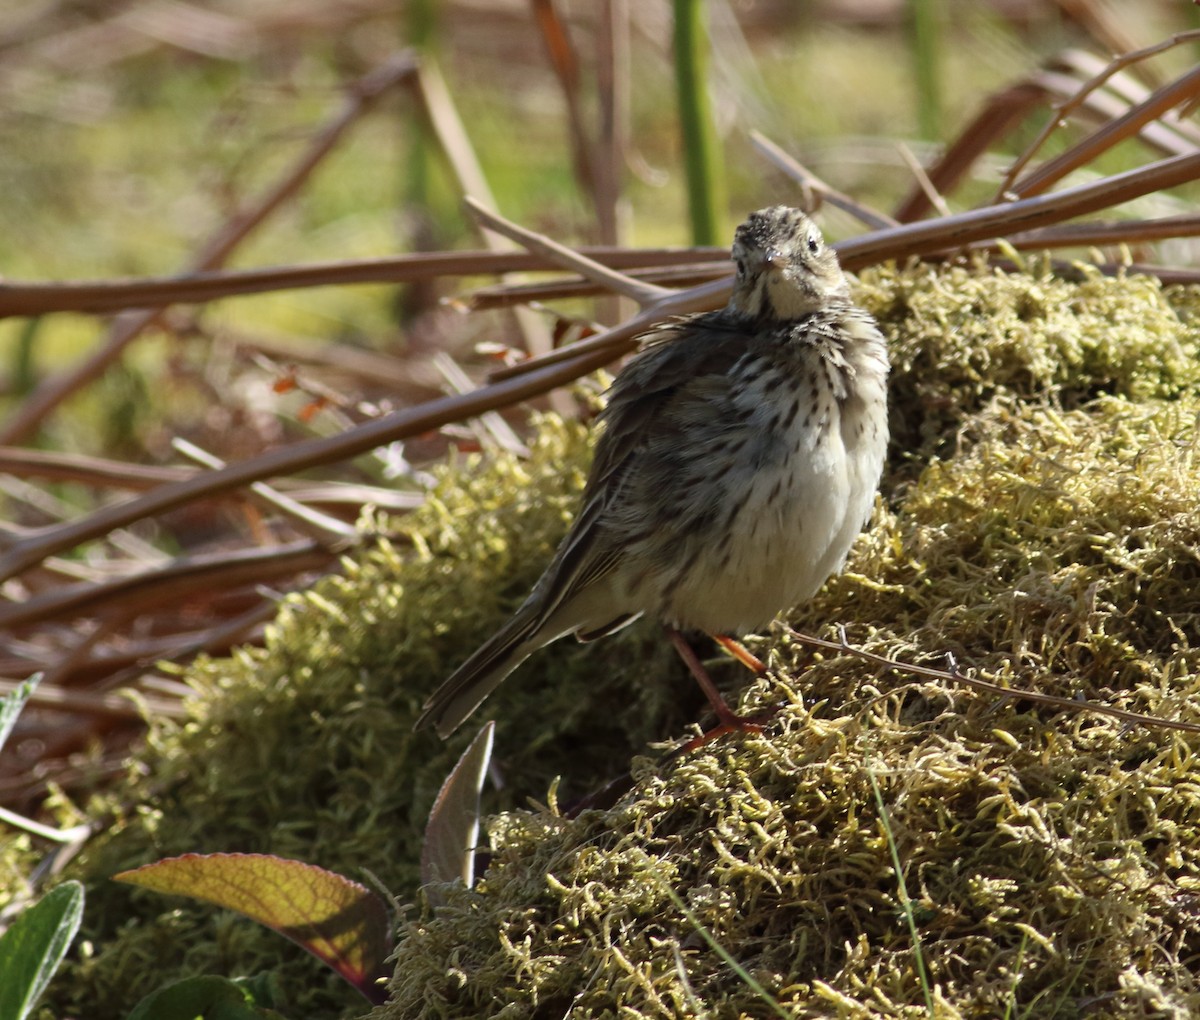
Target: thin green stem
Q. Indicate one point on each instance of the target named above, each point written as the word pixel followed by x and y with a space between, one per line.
pixel 925 30
pixel 700 147
pixel 902 888
pixel 749 979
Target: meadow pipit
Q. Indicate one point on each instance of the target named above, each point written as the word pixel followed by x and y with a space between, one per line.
pixel 739 458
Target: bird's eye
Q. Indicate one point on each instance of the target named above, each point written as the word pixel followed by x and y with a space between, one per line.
pixel 741 268
pixel 814 245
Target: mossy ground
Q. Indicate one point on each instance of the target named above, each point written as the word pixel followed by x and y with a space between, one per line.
pixel 1038 520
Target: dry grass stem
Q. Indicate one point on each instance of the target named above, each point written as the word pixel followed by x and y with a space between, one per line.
pixel 173 583
pixel 504 295
pixel 1080 97
pixel 1183 89
pixel 88 703
pixel 455 142
pixel 311 453
pixel 955 675
pixel 816 190
pixel 28 299
pixel 492 429
pixel 320 526
pixel 565 62
pixel 645 294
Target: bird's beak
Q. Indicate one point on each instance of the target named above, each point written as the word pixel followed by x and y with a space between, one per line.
pixel 773 259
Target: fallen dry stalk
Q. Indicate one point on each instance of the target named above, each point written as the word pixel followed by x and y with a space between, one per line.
pixel 955 675
pixel 312 453
pixel 1083 94
pixel 101 296
pixel 181 578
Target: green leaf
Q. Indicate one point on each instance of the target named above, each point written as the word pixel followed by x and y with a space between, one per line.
pixel 448 852
pixel 200 998
pixel 11 705
pixel 340 922
pixel 33 947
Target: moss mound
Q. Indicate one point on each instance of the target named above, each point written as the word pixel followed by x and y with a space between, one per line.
pixel 1039 522
pixel 305 748
pixel 960 336
pixel 1053 860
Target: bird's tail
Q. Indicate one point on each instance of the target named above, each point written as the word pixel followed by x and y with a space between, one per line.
pixel 464 690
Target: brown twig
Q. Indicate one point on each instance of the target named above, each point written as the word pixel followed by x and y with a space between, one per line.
pixel 101 473
pixel 316 524
pixel 156 292
pixel 955 675
pixel 494 430
pixel 180 578
pixel 77 467
pixel 945 234
pixel 1087 150
pixel 565 62
pixel 310 453
pixel 1098 21
pixel 502 295
pixel 1000 113
pixel 619 339
pixel 123 662
pixel 923 182
pixel 1081 96
pixel 645 294
pixel 1170 134
pixel 452 137
pixel 1003 110
pixel 950 232
pixel 612 141
pixel 810 183
pixel 111 705
pixel 1070 235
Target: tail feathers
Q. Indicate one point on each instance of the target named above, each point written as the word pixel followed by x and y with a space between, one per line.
pixel 464 690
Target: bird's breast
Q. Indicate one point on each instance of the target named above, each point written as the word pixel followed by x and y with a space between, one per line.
pixel 787 484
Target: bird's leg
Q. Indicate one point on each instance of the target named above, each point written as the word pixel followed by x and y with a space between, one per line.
pixel 729 720
pixel 743 654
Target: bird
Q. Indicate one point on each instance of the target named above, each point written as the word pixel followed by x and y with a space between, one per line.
pixel 739 454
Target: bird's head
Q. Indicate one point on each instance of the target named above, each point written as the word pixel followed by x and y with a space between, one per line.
pixel 784 268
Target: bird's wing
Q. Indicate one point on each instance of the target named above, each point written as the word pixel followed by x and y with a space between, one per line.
pixel 682 362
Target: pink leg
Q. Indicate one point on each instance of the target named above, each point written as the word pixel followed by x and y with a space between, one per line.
pixel 729 720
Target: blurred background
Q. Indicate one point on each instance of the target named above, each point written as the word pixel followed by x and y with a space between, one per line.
pixel 132 132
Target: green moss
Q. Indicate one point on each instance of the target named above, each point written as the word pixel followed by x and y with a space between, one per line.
pixel 305 748
pixel 1053 859
pixel 961 336
pixel 1042 874
pixel 1038 521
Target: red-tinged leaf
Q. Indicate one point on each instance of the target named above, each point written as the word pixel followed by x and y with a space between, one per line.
pixel 339 921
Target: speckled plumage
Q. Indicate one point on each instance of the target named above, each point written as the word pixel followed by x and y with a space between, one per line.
pixel 739 458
